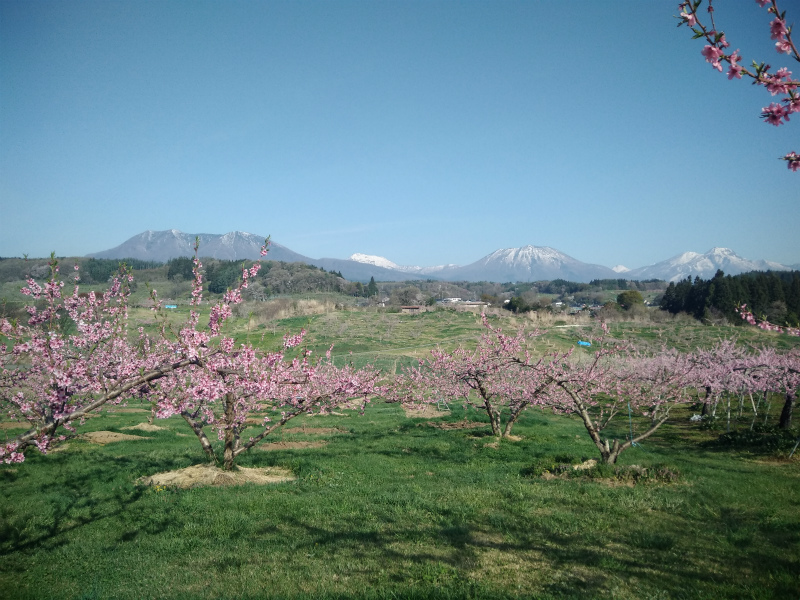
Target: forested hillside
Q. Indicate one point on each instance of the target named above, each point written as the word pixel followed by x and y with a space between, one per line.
pixel 774 295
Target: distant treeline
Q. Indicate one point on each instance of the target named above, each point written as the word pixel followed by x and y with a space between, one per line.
pixel 774 295
pixel 100 270
pixel 92 270
pixel 561 286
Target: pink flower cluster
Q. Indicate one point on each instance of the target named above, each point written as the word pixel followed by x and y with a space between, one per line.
pixel 292 341
pixel 763 323
pixel 780 82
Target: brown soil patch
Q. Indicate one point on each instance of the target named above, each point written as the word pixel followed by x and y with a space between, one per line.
pixel 426 412
pixel 459 425
pixel 210 475
pixel 145 427
pixel 314 430
pixel 108 437
pixel 291 445
pixel 15 425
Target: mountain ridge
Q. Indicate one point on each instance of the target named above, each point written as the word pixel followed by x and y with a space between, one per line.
pixel 693 264
pixel 522 264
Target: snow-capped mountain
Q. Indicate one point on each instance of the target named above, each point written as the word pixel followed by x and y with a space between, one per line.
pixel 529 263
pixel 705 266
pixel 380 261
pixel 620 269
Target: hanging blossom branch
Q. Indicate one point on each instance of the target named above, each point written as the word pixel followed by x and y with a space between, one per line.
pixel 764 324
pixel 779 82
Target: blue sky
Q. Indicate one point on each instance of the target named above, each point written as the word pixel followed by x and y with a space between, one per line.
pixel 428 132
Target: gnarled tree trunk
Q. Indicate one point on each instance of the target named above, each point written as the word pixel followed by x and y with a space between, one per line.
pixel 230 434
pixel 201 435
pixel 786 413
pixel 706 402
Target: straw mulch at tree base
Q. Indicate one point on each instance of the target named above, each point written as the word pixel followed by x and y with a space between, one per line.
pixel 211 475
pixel 426 412
pixel 145 427
pixel 108 437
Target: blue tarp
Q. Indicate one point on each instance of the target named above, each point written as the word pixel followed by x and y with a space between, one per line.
pixel 582 343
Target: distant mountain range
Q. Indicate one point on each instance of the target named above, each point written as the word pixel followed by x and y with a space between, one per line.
pixel 692 264
pixel 529 263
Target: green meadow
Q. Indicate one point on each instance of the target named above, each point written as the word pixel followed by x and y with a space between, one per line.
pixel 390 505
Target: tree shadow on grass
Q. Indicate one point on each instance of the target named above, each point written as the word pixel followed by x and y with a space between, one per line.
pixel 561 559
pixel 68 494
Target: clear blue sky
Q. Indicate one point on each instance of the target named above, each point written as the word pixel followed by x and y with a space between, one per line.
pixel 428 132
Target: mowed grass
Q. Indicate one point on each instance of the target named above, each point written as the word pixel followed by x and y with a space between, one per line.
pixel 392 507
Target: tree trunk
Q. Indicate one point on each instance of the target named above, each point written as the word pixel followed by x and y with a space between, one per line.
pixel 230 434
pixel 706 402
pixel 611 453
pixel 494 417
pixel 728 430
pixel 201 435
pixel 510 423
pixel 786 413
pixel 494 414
pixel 602 445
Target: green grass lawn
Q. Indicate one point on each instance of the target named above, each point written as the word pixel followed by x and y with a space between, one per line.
pixel 394 508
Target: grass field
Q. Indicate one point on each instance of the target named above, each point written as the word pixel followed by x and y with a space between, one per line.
pixel 393 507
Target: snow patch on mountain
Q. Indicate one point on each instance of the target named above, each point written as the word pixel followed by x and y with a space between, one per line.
pixel 620 269
pixel 705 266
pixel 525 256
pixel 380 261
